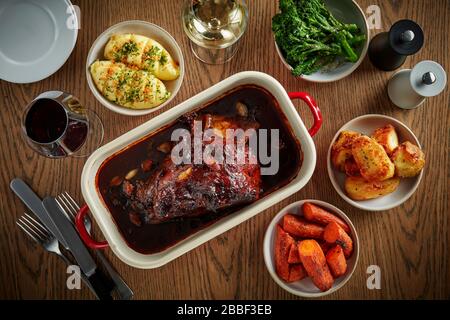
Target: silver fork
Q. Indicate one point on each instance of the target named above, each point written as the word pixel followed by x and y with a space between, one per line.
pixel 40 234
pixel 69 206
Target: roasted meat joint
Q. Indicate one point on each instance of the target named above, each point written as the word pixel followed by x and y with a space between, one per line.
pixel 200 187
pixel 209 163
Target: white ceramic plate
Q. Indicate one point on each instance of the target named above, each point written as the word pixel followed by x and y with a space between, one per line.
pixel 367 125
pixel 347 11
pixel 145 29
pixel 305 287
pixel 36 37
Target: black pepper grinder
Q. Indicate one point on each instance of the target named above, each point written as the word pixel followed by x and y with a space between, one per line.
pixel 388 50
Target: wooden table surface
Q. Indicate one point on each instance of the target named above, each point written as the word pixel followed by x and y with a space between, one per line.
pixel 409 243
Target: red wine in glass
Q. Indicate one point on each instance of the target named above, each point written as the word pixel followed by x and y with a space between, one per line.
pixel 56 125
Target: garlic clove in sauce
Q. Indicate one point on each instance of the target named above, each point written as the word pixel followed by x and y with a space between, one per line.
pixel 242 109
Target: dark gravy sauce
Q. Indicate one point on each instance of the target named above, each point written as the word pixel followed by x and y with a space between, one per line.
pixel 153 238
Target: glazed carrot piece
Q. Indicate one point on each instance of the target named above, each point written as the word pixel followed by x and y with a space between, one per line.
pixel 315 264
pixel 283 243
pixel 293 254
pixel 301 228
pixel 336 235
pixel 336 261
pixel 325 246
pixel 316 214
pixel 297 273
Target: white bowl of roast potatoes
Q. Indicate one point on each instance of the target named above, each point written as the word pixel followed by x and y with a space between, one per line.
pixel 135 68
pixel 375 162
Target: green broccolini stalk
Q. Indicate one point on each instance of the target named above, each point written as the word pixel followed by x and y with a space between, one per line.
pixel 311 38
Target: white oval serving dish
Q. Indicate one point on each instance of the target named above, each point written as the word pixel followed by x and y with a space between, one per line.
pixel 146 261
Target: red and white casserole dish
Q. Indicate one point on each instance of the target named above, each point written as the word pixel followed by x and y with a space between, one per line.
pixel 102 215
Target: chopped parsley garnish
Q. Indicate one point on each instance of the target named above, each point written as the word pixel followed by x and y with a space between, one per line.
pixel 166 96
pixel 129 48
pixel 153 53
pixel 163 59
pixel 132 95
pixel 122 82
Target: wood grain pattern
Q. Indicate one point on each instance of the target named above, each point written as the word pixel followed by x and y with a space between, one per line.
pixel 409 243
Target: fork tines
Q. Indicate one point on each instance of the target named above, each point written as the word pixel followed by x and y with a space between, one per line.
pixel 34 229
pixel 68 205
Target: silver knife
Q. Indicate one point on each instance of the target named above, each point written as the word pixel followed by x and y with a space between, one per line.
pixel 70 236
pixel 77 248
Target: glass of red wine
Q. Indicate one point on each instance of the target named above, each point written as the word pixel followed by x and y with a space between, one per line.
pixel 57 125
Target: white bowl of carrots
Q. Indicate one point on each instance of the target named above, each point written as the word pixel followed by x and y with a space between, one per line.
pixel 311 248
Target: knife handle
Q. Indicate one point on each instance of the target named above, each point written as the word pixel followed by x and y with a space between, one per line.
pixel 88 282
pixel 101 286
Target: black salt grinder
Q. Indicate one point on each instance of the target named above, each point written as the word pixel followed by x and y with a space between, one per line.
pixel 388 50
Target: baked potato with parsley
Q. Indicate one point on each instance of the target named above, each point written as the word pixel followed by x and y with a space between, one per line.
pixel 372 160
pixel 143 53
pixel 359 189
pixel 408 160
pixel 387 137
pixel 135 89
pixel 341 151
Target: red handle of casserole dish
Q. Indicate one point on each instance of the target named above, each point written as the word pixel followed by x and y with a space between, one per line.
pixel 317 115
pixel 79 224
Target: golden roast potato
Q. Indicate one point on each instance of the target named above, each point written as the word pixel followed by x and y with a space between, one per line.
pixel 387 137
pixel 351 168
pixel 408 159
pixel 341 150
pixel 372 160
pixel 360 189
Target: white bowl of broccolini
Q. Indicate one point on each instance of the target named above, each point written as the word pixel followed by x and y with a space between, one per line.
pixel 321 40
